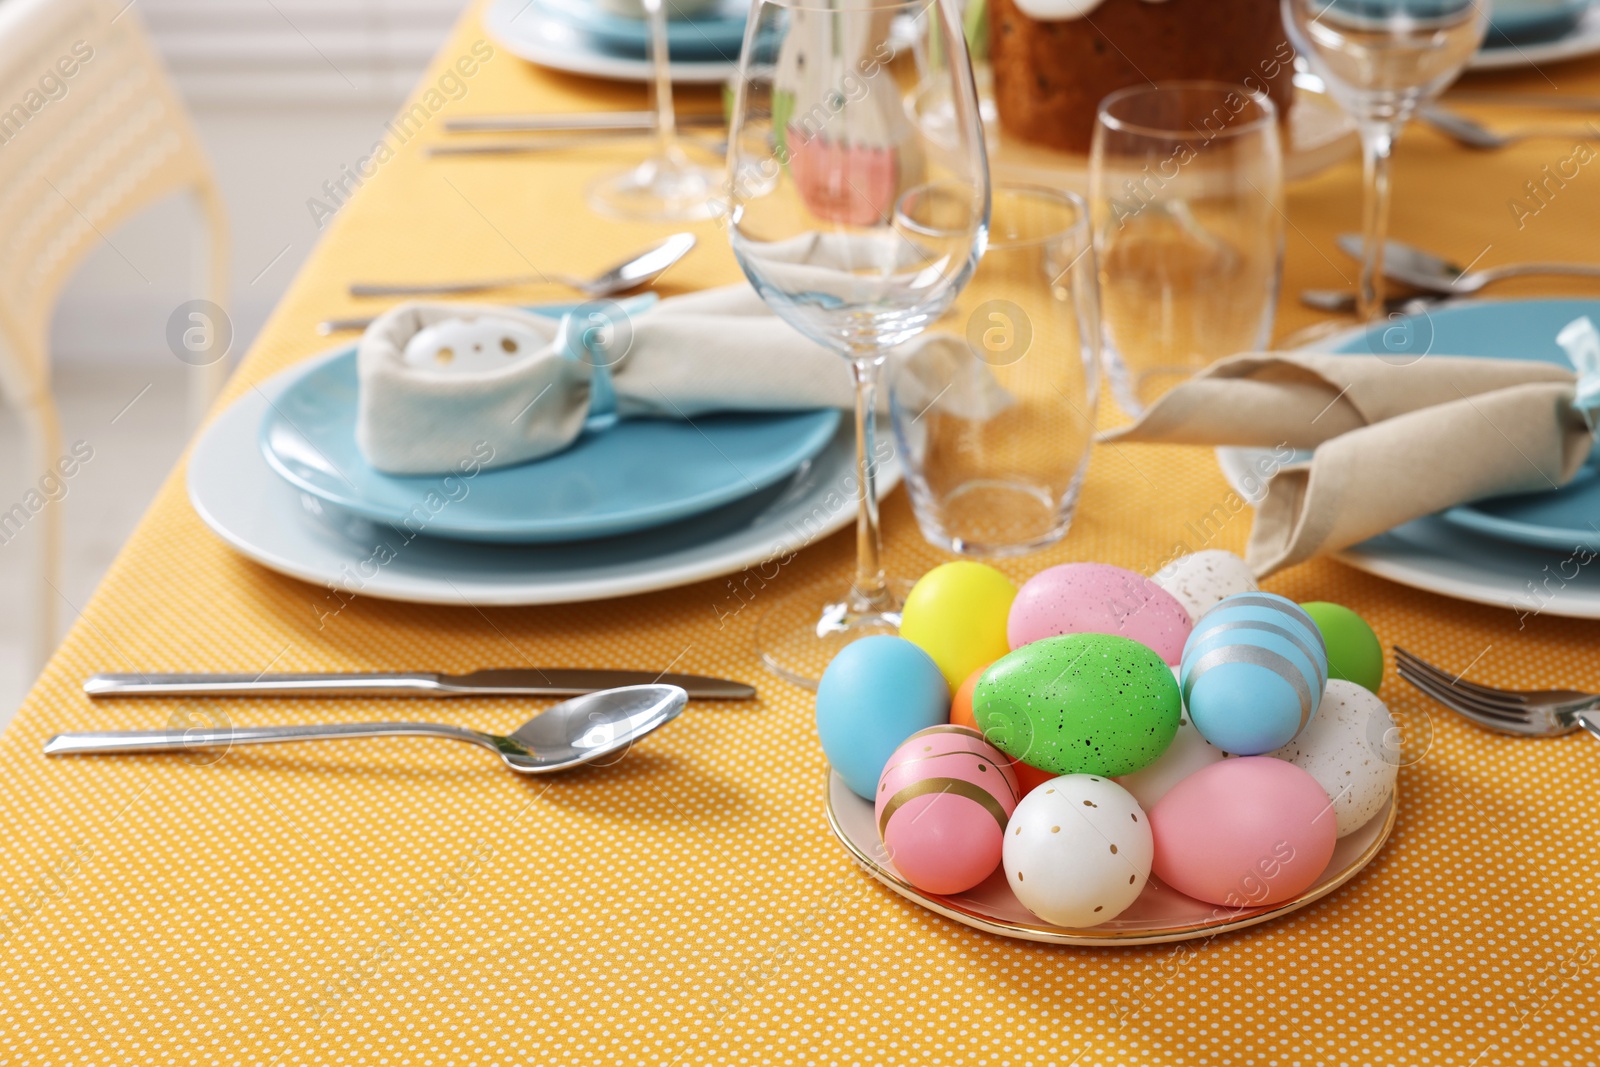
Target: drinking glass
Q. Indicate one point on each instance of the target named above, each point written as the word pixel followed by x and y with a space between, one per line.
pixel 1381 60
pixel 993 408
pixel 856 230
pixel 1186 194
pixel 667 187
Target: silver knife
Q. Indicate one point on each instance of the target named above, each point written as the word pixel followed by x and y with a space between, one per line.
pixel 1523 99
pixel 580 122
pixel 552 682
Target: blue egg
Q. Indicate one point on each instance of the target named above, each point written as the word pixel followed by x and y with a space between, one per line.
pixel 877 692
pixel 1254 669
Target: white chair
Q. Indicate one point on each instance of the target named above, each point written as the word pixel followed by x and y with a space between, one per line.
pixel 92 131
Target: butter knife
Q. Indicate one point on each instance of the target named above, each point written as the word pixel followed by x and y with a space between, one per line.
pixel 580 122
pixel 552 682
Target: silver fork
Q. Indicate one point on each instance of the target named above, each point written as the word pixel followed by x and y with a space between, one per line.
pixel 1525 712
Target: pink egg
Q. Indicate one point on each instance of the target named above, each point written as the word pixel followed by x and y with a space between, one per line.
pixel 1243 832
pixel 1097 598
pixel 943 802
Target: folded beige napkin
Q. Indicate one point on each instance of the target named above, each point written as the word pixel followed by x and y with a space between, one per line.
pixel 528 385
pixel 1392 442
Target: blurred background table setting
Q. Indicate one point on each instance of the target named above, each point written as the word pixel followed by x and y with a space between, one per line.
pixel 715 401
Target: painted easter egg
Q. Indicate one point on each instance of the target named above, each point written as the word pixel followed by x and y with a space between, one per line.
pixel 1097 598
pixel 961 700
pixel 1201 579
pixel 1028 777
pixel 957 614
pixel 1078 850
pixel 875 693
pixel 1253 672
pixel 1243 832
pixel 1351 748
pixel 1354 653
pixel 1188 752
pixel 942 807
pixel 1079 703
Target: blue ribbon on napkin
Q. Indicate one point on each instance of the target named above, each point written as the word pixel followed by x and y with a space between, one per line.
pixel 590 341
pixel 1581 342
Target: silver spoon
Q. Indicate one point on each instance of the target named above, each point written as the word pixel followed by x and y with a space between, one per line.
pixel 573 732
pixel 1475 134
pixel 1342 301
pixel 631 273
pixel 1424 270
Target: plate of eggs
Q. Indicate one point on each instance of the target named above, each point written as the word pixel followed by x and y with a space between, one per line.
pixel 1102 758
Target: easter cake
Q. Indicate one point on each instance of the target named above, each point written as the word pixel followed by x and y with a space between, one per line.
pixel 1055 60
pixel 1098 743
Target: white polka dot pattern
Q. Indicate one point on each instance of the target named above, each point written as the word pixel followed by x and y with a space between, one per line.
pixel 407 901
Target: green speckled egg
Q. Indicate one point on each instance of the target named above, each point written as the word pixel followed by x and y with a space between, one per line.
pixel 1080 704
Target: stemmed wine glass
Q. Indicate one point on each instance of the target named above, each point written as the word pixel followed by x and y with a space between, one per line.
pixel 1381 60
pixel 667 187
pixel 858 228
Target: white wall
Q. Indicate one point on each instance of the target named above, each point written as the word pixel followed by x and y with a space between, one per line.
pixel 283 92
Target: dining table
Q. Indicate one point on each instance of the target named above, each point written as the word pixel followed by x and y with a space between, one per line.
pixel 397 901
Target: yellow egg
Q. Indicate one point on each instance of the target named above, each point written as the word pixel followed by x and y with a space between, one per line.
pixel 957 614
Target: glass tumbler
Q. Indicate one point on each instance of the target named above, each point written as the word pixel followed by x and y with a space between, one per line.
pixel 1186 192
pixel 993 408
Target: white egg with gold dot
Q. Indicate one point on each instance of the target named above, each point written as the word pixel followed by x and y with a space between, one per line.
pixel 1078 850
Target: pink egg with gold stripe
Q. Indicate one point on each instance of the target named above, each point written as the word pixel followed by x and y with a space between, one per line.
pixel 943 802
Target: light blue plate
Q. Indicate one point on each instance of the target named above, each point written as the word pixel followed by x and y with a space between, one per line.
pixel 719 35
pixel 638 474
pixel 1514 22
pixel 1562 519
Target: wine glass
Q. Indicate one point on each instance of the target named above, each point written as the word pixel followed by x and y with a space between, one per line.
pixel 667 187
pixel 1381 60
pixel 858 229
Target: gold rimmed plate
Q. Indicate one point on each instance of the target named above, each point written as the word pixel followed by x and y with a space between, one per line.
pixel 1161 914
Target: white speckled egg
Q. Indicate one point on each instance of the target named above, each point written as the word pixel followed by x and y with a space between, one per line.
pixel 1078 850
pixel 1351 749
pixel 1200 580
pixel 1188 752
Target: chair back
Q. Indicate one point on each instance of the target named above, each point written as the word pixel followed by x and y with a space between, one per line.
pixel 92 131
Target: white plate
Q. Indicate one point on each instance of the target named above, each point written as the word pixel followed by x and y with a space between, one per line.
pixel 525 31
pixel 266 519
pixel 1440 557
pixel 1584 40
pixel 1160 915
pixel 1437 557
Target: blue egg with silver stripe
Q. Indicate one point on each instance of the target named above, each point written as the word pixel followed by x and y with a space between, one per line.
pixel 1253 673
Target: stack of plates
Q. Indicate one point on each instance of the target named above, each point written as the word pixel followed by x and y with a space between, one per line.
pixel 582 37
pixel 645 505
pixel 1536 554
pixel 1526 33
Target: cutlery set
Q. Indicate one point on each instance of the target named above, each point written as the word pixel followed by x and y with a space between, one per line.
pixel 1475 134
pixel 572 733
pixel 609 710
pixel 546 133
pixel 635 272
pixel 1435 276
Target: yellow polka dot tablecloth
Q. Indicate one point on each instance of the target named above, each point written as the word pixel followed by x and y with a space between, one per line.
pixel 404 901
